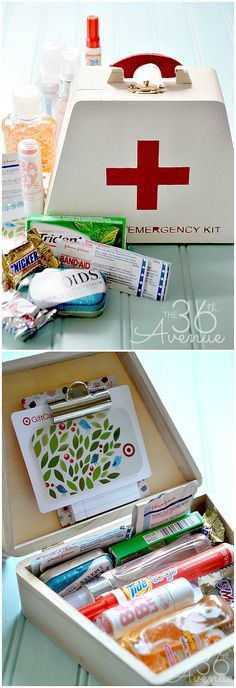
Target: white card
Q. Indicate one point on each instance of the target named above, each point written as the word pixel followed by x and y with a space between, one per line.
pixel 86 457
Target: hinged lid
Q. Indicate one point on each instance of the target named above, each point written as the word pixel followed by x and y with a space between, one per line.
pixel 25 528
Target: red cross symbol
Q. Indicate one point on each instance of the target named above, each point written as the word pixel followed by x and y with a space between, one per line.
pixel 147 176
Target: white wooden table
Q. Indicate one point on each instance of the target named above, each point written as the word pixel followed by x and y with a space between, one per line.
pixel 202 276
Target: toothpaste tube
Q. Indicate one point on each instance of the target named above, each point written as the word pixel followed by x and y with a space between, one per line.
pixel 154 538
pixel 125 271
pixel 68 578
pixel 164 507
pixel 105 230
pixel 191 568
pixel 181 549
pixel 59 394
pixel 164 600
pixel 74 547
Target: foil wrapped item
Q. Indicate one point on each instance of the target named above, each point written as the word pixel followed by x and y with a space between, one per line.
pixel 20 317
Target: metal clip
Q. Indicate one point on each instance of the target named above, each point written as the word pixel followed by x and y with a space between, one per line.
pixel 146 87
pixel 79 401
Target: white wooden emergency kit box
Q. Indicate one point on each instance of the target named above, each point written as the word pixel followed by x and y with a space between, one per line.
pixel 27 530
pixel 162 160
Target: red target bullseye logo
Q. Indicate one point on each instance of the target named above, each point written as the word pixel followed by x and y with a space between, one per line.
pixel 26 420
pixel 128 449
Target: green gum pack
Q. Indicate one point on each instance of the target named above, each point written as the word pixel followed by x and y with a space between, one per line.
pixel 156 537
pixel 105 230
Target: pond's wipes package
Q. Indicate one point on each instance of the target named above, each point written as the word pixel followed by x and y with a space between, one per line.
pixel 61 553
pixel 74 292
pixel 152 539
pixel 125 271
pixel 105 230
pixel 163 507
pixel 69 577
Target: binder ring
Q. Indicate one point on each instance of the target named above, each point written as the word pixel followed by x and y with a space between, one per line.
pixel 79 401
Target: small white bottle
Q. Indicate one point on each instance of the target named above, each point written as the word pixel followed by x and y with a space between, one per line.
pixel 31 176
pixel 49 76
pixel 69 62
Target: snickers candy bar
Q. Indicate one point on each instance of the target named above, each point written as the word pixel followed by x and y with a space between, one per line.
pixel 23 259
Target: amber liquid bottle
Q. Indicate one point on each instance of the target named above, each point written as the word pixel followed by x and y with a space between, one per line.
pixel 27 121
pixel 166 642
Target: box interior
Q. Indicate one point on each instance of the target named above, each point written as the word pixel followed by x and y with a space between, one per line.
pixel 21 512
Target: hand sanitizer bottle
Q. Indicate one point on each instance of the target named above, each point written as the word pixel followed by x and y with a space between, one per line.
pixel 69 57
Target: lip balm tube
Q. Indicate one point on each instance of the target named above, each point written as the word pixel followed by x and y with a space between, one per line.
pixel 191 568
pixel 181 549
pixel 156 603
pixel 31 176
pixel 69 577
pixel 74 547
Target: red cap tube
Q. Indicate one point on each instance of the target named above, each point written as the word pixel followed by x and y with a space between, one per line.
pixel 92 40
pixel 198 565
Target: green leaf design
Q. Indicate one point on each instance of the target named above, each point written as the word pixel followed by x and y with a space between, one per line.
pixel 87 459
pixel 96 425
pixel 63 465
pixel 100 415
pixel 106 423
pixel 69 424
pixel 44 460
pixel 52 493
pixel 117 444
pixel 52 429
pixel 46 476
pixel 39 432
pixel 113 475
pixel 72 486
pixel 89 483
pixel 45 439
pixel 96 473
pixel 64 437
pixel 85 468
pixel 75 442
pixel 59 475
pixel 105 448
pixel 63 447
pixel 105 435
pixel 53 443
pixel 96 434
pixel 80 463
pixel 111 427
pixel 81 484
pixel 104 480
pixel 94 445
pixel 72 453
pixel 71 472
pixel 81 439
pixel 54 461
pixel 86 442
pixel 111 444
pixel 79 453
pixel 76 468
pixel 116 434
pixel 109 453
pixel 37 448
pixel 106 465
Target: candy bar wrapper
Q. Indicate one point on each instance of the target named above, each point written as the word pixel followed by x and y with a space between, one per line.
pixel 213 527
pixel 219 583
pixel 164 507
pixel 23 259
pixel 59 394
pixel 21 318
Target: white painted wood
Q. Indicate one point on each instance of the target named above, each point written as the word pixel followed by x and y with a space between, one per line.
pixel 199 210
pixel 25 527
pixel 84 642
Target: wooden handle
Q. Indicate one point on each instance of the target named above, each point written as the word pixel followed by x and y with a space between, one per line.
pixel 130 64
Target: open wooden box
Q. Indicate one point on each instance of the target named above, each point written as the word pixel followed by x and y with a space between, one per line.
pixel 27 530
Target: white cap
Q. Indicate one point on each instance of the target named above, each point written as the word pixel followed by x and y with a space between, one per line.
pixel 51 59
pixel 27 101
pixel 69 63
pixel 81 598
pixel 181 591
pixel 99 586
